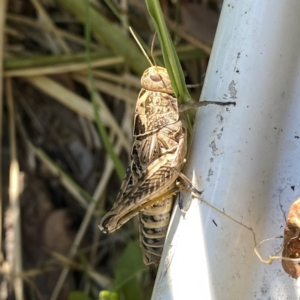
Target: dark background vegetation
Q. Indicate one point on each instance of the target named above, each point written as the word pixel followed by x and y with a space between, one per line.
pixel 57 178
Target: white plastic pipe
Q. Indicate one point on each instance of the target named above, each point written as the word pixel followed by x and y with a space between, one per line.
pixel 246 159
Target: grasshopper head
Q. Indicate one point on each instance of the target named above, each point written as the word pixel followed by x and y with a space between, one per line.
pixel 157 79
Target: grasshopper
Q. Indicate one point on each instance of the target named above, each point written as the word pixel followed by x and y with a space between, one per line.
pixel 158 153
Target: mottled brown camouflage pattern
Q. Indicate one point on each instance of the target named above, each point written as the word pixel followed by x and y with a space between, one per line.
pixel 159 147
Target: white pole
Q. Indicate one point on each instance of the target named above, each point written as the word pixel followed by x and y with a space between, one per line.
pixel 245 158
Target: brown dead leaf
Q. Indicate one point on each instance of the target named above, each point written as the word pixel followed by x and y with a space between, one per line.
pixel 57 235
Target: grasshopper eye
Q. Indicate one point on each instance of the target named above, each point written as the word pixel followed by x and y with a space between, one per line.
pixel 155 77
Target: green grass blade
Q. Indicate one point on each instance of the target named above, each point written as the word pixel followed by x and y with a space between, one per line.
pixel 170 56
pixel 171 60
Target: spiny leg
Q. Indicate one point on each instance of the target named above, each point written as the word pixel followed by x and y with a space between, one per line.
pixel 197 85
pixel 184 107
pixel 190 187
pixel 188 184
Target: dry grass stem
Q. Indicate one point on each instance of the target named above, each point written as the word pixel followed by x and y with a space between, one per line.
pixel 66 97
pixel 14 192
pixel 46 19
pixel 89 212
pixel 126 78
pixel 77 103
pixel 110 89
pixel 2 39
pixel 63 68
pixel 62 33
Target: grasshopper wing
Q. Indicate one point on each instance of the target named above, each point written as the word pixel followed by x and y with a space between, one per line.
pixel 139 194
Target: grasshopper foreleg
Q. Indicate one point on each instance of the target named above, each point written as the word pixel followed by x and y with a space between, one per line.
pixel 184 107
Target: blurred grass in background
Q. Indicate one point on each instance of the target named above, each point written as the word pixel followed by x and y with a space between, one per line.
pixel 56 171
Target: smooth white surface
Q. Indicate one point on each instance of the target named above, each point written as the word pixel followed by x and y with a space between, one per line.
pixel 245 158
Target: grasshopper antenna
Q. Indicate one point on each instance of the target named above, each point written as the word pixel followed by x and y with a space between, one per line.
pixel 141 47
pixel 152 48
